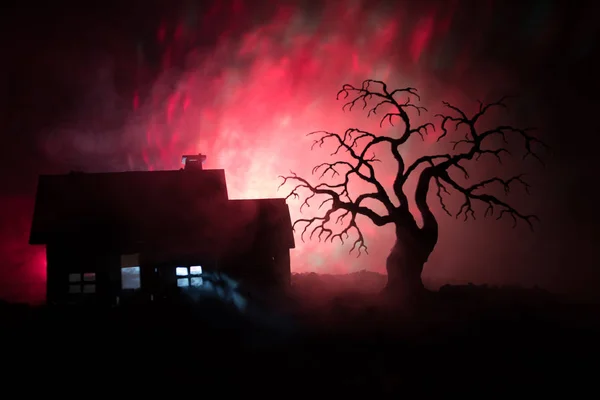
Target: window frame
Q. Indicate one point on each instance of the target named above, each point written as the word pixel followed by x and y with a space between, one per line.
pixel 189 276
pixel 82 282
pixel 139 273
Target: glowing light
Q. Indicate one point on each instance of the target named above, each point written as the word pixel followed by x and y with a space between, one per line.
pixel 192 276
pixel 130 278
pixel 248 102
pixel 196 270
pixel 196 282
pixel 183 282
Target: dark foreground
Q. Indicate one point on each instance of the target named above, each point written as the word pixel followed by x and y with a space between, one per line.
pixel 463 339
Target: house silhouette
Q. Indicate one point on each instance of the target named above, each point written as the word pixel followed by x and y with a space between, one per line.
pixel 155 235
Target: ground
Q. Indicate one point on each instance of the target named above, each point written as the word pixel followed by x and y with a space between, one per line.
pixel 344 341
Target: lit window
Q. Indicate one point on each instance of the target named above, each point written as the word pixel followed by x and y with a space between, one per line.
pixel 183 282
pixel 193 276
pixel 196 270
pixel 82 283
pixel 130 278
pixel 196 282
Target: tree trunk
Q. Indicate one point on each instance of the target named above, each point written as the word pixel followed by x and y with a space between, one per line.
pixel 413 244
pixel 406 261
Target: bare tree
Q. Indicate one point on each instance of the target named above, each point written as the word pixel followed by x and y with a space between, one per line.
pixel 413 243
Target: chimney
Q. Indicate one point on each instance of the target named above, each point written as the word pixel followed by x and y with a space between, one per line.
pixel 193 162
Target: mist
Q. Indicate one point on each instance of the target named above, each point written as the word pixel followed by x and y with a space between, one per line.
pixel 244 83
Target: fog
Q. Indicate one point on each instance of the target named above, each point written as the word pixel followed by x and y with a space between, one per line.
pixel 135 87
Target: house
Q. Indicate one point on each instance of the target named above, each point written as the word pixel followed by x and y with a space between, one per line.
pixel 155 235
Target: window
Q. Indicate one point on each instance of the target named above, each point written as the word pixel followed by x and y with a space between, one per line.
pixel 130 278
pixel 189 276
pixel 196 270
pixel 82 283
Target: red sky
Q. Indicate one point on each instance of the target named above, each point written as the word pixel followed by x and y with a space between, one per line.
pixel 124 88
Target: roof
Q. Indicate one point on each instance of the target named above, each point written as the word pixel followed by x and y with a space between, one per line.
pixel 151 206
pixel 273 214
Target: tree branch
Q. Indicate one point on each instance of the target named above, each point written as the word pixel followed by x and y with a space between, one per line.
pixel 349 142
pixel 466 209
pixel 318 224
pixel 474 141
pixel 357 143
pixel 374 89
